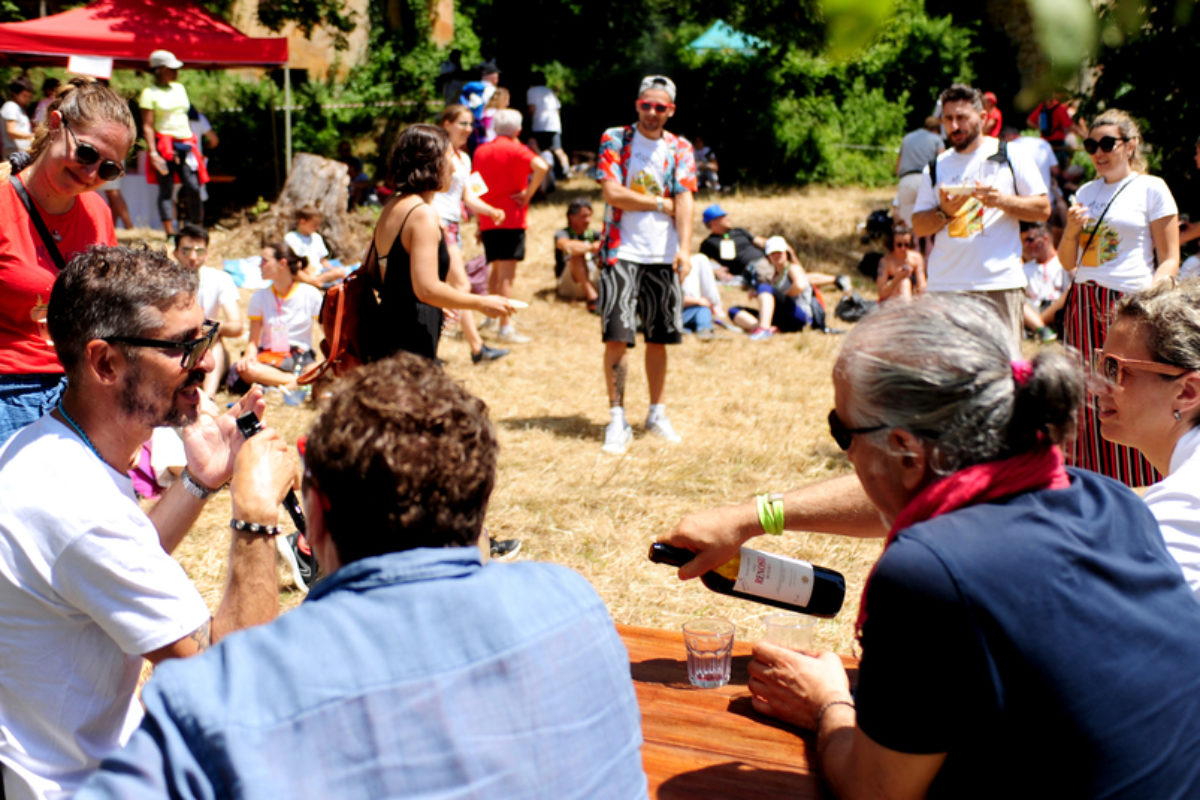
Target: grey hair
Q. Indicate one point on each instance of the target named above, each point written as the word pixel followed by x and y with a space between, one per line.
pixel 113 291
pixel 507 122
pixel 941 367
pixel 1170 316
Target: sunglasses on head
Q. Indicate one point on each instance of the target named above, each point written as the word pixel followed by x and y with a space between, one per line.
pixel 1112 368
pixel 845 436
pixel 86 155
pixel 646 105
pixel 191 351
pixel 1105 143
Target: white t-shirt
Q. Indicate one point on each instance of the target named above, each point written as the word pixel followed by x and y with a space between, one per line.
pixel 448 204
pixel 311 247
pixel 980 250
pixel 85 590
pixel 294 314
pixel 1042 154
pixel 545 110
pixel 11 112
pixel 217 289
pixel 647 237
pixel 1121 255
pixel 1175 503
pixel 700 281
pixel 1190 267
pixel 1045 283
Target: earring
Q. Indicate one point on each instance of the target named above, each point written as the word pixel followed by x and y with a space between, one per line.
pixel 1177 414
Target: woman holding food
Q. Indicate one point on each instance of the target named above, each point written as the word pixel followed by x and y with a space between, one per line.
pixel 1121 236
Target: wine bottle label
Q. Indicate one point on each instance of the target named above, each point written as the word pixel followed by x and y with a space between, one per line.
pixel 775 577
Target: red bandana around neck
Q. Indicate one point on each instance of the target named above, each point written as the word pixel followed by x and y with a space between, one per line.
pixel 981 483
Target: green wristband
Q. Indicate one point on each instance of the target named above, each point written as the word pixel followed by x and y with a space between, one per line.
pixel 770 512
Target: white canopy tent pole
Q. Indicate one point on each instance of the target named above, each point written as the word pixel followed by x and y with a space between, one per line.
pixel 287 119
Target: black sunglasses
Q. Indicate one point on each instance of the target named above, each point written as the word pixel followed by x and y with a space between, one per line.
pixel 192 350
pixel 1106 143
pixel 843 435
pixel 646 105
pixel 86 155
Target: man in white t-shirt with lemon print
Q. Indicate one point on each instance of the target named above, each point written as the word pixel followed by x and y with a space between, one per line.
pixel 982 196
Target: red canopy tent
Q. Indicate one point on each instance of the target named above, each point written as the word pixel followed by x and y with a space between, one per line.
pixel 128 30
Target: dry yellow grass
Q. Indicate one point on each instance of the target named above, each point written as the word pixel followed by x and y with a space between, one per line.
pixel 752 417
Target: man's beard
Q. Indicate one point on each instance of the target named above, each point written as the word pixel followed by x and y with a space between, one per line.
pixel 969 139
pixel 142 402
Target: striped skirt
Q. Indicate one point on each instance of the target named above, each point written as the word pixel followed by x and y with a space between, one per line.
pixel 1085 325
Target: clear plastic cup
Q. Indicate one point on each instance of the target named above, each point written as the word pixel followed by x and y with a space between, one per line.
pixel 793 631
pixel 709 642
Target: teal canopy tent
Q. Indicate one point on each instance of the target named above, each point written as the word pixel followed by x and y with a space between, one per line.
pixel 722 37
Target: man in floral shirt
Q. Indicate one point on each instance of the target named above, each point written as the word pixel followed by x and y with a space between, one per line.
pixel 648 176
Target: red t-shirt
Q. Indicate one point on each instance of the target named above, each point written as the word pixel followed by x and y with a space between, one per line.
pixel 504 166
pixel 27 273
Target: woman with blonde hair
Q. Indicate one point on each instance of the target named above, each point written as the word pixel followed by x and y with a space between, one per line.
pixel 50 213
pixel 1121 236
pixel 499 101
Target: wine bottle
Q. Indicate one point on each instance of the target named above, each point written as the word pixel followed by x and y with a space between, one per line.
pixel 787 583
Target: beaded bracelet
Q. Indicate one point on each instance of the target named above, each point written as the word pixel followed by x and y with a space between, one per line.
pixel 821 711
pixel 254 527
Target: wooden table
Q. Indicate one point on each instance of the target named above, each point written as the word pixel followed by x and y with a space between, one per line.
pixel 711 743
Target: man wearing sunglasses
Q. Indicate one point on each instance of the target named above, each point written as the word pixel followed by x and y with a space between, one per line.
pixel 88 589
pixel 974 197
pixel 648 176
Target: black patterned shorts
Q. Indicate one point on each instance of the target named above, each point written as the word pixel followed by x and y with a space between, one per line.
pixel 650 291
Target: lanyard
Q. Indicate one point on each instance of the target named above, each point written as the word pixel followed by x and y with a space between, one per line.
pixel 75 425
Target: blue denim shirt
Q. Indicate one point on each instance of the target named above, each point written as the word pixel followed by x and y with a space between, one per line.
pixel 415 674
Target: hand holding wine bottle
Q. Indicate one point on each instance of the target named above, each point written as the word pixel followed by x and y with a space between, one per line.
pixel 774 580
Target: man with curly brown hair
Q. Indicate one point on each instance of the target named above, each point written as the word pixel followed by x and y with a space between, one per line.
pixel 413 669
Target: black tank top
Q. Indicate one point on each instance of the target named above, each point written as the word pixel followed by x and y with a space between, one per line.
pixel 401 321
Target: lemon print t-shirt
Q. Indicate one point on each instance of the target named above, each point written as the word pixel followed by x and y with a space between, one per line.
pixel 1121 254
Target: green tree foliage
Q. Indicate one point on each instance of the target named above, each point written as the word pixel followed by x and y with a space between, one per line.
pixel 1144 72
pixel 780 114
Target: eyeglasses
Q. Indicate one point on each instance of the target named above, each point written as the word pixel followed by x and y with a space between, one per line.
pixel 192 350
pixel 661 108
pixel 1106 143
pixel 843 435
pixel 1112 368
pixel 86 155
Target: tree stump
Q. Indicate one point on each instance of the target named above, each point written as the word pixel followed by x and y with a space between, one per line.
pixel 323 184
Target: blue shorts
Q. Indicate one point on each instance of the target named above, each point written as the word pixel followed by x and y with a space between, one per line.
pixel 25 399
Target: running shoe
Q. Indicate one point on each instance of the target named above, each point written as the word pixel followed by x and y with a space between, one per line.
pixel 504 549
pixel 617 437
pixel 298 556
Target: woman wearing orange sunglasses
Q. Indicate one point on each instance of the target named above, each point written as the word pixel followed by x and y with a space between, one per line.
pixel 1147 385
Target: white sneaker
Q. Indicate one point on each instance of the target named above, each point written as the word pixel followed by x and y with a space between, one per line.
pixel 663 430
pixel 509 335
pixel 617 437
pixel 487 324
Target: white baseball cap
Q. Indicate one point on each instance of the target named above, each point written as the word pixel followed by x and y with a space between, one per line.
pixel 164 58
pixel 776 244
